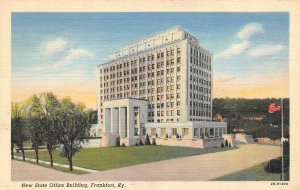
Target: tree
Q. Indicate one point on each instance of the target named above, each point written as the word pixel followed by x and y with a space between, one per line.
pixel 226 143
pixel 93 116
pixel 118 142
pixel 35 116
pixel 147 141
pixel 18 128
pixel 72 127
pixel 153 142
pixel 141 142
pixel 49 103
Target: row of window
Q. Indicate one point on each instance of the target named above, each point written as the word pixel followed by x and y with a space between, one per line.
pixel 196 52
pixel 199 72
pixel 173 132
pixel 159 72
pixel 168 113
pixel 133 63
pixel 134 88
pixel 197 112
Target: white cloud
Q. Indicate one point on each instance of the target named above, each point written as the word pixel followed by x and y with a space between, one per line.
pixel 224 78
pixel 265 49
pixel 56 46
pixel 233 50
pixel 73 55
pixel 244 35
pixel 249 30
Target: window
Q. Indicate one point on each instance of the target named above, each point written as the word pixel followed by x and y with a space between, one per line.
pixel 196 132
pixel 174 131
pixel 178 112
pixel 136 131
pixel 163 132
pixel 185 132
pixel 153 131
pixel 143 129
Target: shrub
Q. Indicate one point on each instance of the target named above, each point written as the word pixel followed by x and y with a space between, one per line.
pixel 136 144
pixel 141 143
pixel 147 141
pixel 118 142
pixel 153 142
pixel 226 143
pixel 274 166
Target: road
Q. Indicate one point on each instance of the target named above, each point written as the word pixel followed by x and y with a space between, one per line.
pixel 200 167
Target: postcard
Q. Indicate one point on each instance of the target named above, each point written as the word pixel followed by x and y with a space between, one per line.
pixel 137 94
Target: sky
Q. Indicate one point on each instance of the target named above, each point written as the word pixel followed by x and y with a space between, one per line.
pixel 59 52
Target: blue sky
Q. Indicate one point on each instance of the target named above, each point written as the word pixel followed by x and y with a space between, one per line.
pixel 60 51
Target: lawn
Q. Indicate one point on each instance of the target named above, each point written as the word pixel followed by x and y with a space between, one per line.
pixel 116 157
pixel 255 173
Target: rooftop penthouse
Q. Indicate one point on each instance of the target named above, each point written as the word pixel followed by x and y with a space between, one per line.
pixel 157 40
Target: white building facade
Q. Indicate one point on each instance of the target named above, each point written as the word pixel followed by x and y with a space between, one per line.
pixel 170 70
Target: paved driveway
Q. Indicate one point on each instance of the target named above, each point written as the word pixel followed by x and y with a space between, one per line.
pixel 200 167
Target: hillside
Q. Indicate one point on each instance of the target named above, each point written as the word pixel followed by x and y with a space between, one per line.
pixel 252 116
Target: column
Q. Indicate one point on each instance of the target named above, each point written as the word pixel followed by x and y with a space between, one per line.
pixel 122 120
pixel 214 132
pixel 107 116
pixel 130 122
pixel 115 120
pixel 139 121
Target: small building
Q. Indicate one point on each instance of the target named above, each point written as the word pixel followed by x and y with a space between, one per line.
pixel 188 130
pixel 124 119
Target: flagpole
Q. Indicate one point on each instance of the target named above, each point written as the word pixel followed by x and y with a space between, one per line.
pixel 282 162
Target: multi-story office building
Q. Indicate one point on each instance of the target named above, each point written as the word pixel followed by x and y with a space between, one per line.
pixel 169 69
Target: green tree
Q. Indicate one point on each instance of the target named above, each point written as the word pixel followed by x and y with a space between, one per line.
pixel 153 142
pixel 49 104
pixel 72 126
pixel 118 142
pixel 18 128
pixel 147 141
pixel 35 116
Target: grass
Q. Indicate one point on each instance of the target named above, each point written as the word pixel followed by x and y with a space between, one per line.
pixel 59 168
pixel 255 173
pixel 27 144
pixel 117 157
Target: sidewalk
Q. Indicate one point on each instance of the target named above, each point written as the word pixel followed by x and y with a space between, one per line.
pixel 58 164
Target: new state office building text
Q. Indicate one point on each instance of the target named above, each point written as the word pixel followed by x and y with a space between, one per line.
pixel 168 78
